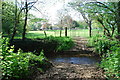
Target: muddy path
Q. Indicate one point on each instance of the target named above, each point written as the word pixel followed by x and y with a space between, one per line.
pixel 70 71
pixel 65 71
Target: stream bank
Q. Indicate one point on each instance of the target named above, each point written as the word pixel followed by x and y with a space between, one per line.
pixel 69 66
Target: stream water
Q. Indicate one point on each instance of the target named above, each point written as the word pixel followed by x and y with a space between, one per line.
pixel 76 60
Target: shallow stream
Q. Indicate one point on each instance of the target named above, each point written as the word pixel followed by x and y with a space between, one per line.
pixel 76 60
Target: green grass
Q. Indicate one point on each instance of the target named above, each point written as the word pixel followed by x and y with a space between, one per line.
pixel 56 33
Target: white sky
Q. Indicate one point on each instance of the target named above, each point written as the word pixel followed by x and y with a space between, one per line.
pixel 49 9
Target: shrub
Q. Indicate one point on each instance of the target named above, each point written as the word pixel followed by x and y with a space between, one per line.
pixel 58 43
pixel 110 54
pixel 65 43
pixel 17 65
pixel 50 45
pixel 101 44
pixel 28 45
pixel 111 63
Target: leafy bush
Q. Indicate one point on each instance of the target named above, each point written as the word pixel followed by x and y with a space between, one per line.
pixel 50 45
pixel 101 44
pixel 8 11
pixel 65 43
pixel 110 54
pixel 58 43
pixel 17 65
pixel 28 45
pixel 111 63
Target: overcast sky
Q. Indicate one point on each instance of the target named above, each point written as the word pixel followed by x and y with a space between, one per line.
pixel 50 8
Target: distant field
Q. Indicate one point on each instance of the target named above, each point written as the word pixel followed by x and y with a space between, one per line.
pixel 71 33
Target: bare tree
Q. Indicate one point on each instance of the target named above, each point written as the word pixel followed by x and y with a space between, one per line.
pixel 60 17
pixel 27 8
pixel 24 27
pixel 68 23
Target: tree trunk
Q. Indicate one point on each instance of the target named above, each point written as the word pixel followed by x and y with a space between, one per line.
pixel 8 32
pixel 113 29
pixel 108 32
pixel 105 29
pixel 45 34
pixel 60 32
pixel 16 22
pixel 118 18
pixel 24 27
pixel 90 29
pixel 104 32
pixel 14 32
pixel 65 31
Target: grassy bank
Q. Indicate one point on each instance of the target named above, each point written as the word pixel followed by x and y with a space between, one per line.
pixel 109 50
pixel 56 33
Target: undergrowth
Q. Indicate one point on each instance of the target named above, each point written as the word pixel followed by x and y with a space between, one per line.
pixel 109 50
pixel 60 43
pixel 17 65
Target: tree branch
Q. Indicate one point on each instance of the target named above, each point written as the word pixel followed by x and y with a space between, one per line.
pixel 103 5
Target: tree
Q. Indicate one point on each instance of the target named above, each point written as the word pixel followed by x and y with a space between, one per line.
pixel 81 7
pixel 9 11
pixel 7 17
pixel 75 24
pixel 82 25
pixel 6 7
pixel 26 14
pixel 61 14
pixel 0 17
pixel 12 17
pixel 28 6
pixel 15 22
pixel 103 12
pixel 66 22
pixel 118 17
pixel 88 20
pixel 34 23
pixel 17 14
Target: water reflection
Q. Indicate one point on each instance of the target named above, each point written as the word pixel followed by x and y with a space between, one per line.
pixel 76 60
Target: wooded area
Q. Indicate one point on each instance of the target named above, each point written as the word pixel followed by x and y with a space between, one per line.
pixel 29 42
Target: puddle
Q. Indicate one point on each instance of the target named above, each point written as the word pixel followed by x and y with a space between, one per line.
pixel 76 60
